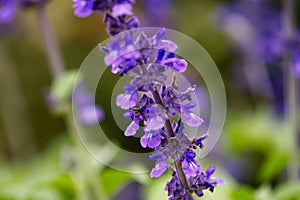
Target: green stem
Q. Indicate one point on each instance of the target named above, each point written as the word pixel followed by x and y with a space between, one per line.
pixel 288 32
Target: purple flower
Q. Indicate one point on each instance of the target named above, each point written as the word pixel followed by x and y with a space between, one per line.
pixel 122 9
pixel 156 120
pixel 129 99
pixel 190 166
pixel 83 8
pixel 170 99
pixel 90 114
pixel 176 191
pixel 86 111
pixel 151 139
pixel 121 56
pixel 198 141
pixel 160 166
pixel 132 128
pixel 116 25
pixel 146 77
pixel 188 117
pixel 204 181
pixel 8 10
pixel 149 100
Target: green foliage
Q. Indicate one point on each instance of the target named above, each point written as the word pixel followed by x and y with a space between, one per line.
pixel 62 89
pixel 242 193
pixel 112 180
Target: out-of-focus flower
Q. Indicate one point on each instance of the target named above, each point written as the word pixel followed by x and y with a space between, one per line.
pixel 87 112
pixel 9 8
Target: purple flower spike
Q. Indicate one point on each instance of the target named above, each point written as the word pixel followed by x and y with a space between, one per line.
pixel 132 128
pixel 83 8
pixel 160 166
pixel 190 166
pixel 153 102
pixel 190 118
pixel 129 99
pixel 151 139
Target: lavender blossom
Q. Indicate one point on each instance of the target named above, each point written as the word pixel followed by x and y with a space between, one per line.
pixel 149 101
pixel 116 12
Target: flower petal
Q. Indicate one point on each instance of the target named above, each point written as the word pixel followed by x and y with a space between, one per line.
pixel 132 129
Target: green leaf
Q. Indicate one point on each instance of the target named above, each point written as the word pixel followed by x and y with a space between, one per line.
pixel 112 179
pixel 63 85
pixel 287 191
pixel 65 186
pixel 272 166
pixel 242 193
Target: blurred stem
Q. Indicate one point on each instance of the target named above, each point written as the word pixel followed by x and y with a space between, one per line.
pixel 288 32
pixel 53 53
pixel 57 68
pixel 13 109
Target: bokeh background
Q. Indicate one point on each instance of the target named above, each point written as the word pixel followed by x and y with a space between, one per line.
pixel 40 159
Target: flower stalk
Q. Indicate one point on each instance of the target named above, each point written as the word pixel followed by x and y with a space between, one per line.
pixel 169 130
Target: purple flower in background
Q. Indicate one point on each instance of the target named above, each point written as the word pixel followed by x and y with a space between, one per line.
pixel 155 17
pixel 87 112
pixel 254 26
pixel 8 10
pixel 297 64
pixel 256 29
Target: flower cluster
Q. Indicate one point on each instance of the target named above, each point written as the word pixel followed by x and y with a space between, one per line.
pixel 9 8
pixel 116 13
pixel 152 104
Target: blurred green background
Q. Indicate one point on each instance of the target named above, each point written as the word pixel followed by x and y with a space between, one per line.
pixel 39 159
